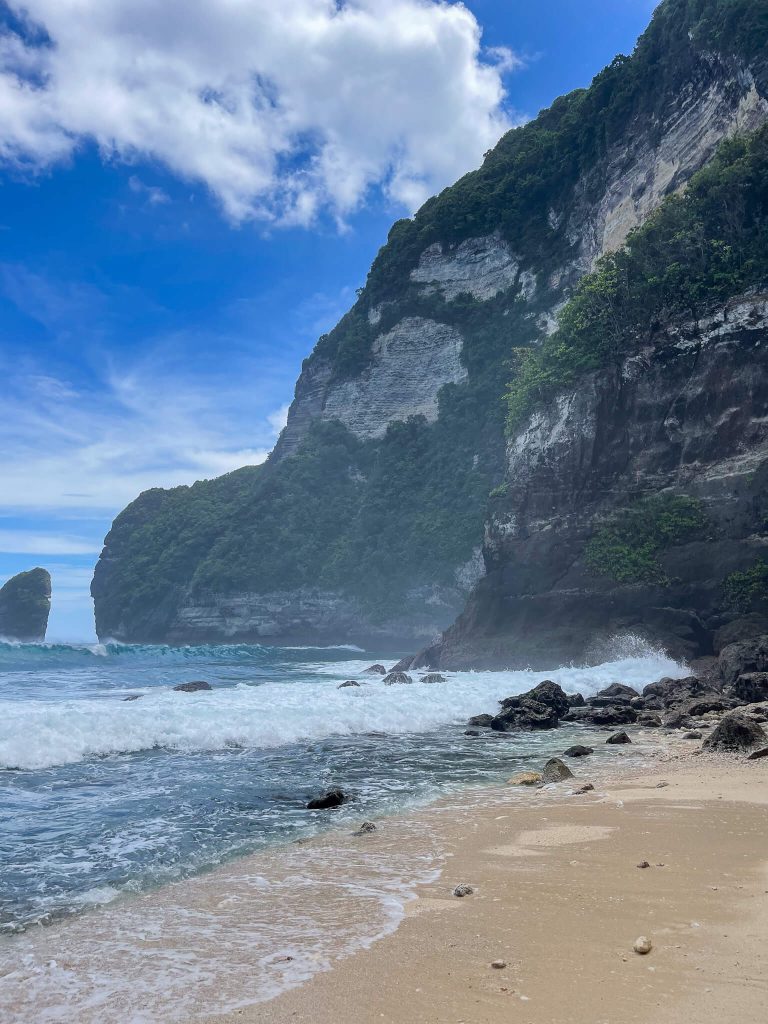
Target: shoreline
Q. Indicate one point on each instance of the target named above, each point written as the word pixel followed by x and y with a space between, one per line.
pixel 559 897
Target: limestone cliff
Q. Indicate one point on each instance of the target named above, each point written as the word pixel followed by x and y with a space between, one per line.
pixel 367 521
pixel 25 601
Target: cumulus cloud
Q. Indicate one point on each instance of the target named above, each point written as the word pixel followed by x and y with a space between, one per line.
pixel 280 109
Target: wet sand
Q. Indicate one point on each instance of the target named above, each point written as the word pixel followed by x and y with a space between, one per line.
pixel 558 897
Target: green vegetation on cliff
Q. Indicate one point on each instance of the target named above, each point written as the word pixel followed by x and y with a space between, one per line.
pixel 748 590
pixel 627 548
pixel 695 252
pixel 25 601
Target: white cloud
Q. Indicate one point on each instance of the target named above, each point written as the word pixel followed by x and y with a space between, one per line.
pixel 280 109
pixel 25 542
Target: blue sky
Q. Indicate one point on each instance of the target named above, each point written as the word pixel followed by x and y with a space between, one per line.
pixel 190 194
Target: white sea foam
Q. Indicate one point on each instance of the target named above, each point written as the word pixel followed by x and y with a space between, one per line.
pixel 43 733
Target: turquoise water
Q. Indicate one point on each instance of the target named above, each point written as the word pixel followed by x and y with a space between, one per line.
pixel 100 796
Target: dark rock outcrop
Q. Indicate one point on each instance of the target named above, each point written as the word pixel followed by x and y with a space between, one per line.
pixel 743 658
pixel 618 691
pixel 348 683
pixel 578 750
pixel 736 732
pixel 331 798
pixel 480 721
pixel 674 691
pixel 433 677
pixel 750 687
pixel 25 601
pixel 539 708
pixel 377 669
pixel 194 687
pixel 614 714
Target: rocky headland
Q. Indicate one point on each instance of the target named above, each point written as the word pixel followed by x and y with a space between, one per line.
pixel 25 601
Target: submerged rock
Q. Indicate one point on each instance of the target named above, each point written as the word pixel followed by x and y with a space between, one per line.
pixel 378 670
pixel 25 601
pixel 433 677
pixel 133 696
pixel 194 687
pixel 404 664
pixel 332 798
pixel 349 682
pixel 366 828
pixel 736 732
pixel 578 750
pixel 555 770
pixel 394 678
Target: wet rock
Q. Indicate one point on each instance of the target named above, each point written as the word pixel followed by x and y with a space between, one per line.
pixel 750 688
pixel 433 677
pixel 525 779
pixel 349 682
pixel 463 890
pixel 404 664
pixel 578 751
pixel 642 945
pixel 331 798
pixel 618 690
pixel 471 732
pixel 133 696
pixel 525 714
pixel 481 721
pixel 756 755
pixel 396 677
pixel 649 719
pixel 673 691
pixel 693 735
pixel 618 737
pixel 194 687
pixel 575 700
pixel 550 694
pixel 555 770
pixel 736 732
pixel 378 670
pixel 742 658
pixel 365 829
pixel 586 787
pixel 614 715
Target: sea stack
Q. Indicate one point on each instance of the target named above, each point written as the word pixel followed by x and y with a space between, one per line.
pixel 25 601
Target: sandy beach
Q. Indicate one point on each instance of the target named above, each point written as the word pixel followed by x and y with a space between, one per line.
pixel 560 899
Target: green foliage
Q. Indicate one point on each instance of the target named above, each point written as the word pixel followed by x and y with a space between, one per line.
pixel 627 548
pixel 696 251
pixel 747 590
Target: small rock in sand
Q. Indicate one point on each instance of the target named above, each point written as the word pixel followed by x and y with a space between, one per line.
pixel 499 965
pixel 586 788
pixel 642 945
pixel 643 864
pixel 525 779
pixel 463 890
pixel 365 828
pixel 578 751
pixel 619 737
pixel 757 754
pixel 692 735
pixel 661 785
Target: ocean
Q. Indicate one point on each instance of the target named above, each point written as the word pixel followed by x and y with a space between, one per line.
pixel 105 801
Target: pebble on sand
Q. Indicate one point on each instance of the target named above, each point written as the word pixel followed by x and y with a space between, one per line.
pixel 463 890
pixel 642 945
pixel 499 965
pixel 643 864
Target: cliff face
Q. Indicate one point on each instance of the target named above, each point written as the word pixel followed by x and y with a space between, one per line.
pixel 25 601
pixel 686 415
pixel 367 521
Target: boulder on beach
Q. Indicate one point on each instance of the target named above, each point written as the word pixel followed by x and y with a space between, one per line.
pixel 331 798
pixel 525 779
pixel 556 770
pixel 673 691
pixel 742 658
pixel 349 682
pixel 578 750
pixel 396 677
pixel 618 690
pixel 649 719
pixel 462 889
pixel 757 755
pixel 616 714
pixel 750 687
pixel 525 714
pixel 366 828
pixel 736 732
pixel 618 737
pixel 378 670
pixel 193 687
pixel 575 700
